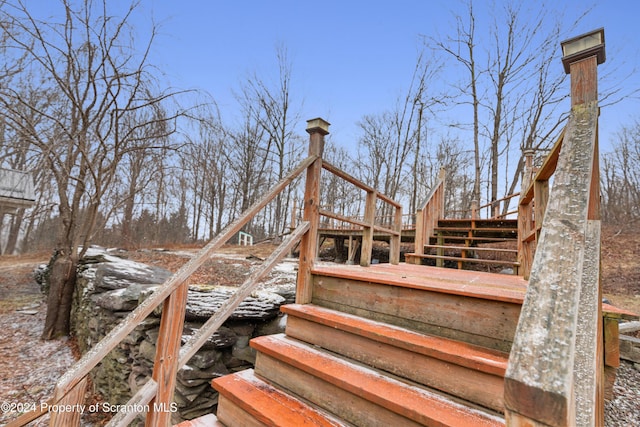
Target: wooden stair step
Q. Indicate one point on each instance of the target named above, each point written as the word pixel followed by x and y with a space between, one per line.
pixel 476 307
pixel 425 359
pixel 459 258
pixel 472 248
pixel 463 354
pixel 246 400
pixel 475 230
pixel 358 394
pixel 208 420
pixel 477 239
pixel 477 284
pixel 481 222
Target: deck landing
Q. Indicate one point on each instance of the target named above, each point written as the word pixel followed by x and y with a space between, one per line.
pixel 478 284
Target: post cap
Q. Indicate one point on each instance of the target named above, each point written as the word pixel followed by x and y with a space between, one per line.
pixel 318 125
pixel 583 46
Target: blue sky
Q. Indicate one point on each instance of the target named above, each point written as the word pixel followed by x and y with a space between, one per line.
pixel 350 58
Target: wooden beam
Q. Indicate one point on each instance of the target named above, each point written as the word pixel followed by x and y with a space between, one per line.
pixel 367 233
pixel 73 399
pixel 546 171
pixel 344 175
pixel 545 341
pixel 165 366
pixel 309 242
pixel 211 326
pixel 394 244
pixel 138 404
pixel 90 359
pixel 584 81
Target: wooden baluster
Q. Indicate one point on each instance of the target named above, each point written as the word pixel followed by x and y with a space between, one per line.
pixel 525 219
pixel 420 237
pixel 367 233
pixel 394 244
pixel 165 366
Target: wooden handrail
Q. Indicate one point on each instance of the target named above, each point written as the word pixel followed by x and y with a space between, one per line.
pixel 428 214
pixel 79 371
pixel 355 181
pixel 368 223
pixel 200 337
pixel 533 203
pixel 496 207
pixel 554 372
pixel 546 170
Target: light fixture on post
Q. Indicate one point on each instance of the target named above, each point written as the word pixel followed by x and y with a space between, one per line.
pixel 581 56
pixel 582 47
pixel 318 125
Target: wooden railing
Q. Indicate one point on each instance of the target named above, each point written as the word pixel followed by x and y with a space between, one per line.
pixel 371 222
pixel 495 209
pixel 156 396
pixel 533 204
pixel 555 372
pixel 427 216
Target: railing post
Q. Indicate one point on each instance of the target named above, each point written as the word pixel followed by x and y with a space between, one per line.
pixel 165 366
pixel 73 399
pixel 442 178
pixel 367 233
pixel 317 129
pixel 525 218
pixel 420 236
pixel 555 371
pixel 394 243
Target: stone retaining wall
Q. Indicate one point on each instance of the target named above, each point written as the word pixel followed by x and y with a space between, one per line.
pixel 110 287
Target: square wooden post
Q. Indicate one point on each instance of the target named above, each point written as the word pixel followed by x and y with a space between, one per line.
pixel 165 366
pixel 317 129
pixel 367 232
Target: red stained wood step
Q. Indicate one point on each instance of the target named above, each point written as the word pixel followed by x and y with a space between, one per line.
pixel 463 354
pixel 247 400
pixel 477 284
pixel 279 355
pixel 208 420
pixel 428 360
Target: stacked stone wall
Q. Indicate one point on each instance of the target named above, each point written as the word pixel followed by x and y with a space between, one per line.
pixel 109 288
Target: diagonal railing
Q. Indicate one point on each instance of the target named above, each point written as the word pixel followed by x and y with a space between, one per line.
pixel 69 389
pixel 428 215
pixel 155 397
pixel 555 373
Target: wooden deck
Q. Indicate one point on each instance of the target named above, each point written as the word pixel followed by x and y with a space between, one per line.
pixel 494 286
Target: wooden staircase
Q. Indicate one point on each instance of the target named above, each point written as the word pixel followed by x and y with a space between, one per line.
pixel 470 243
pixel 358 356
pixel 405 344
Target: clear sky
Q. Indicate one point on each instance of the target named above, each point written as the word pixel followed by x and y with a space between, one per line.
pixel 350 57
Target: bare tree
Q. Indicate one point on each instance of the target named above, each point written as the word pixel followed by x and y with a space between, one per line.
pixel 207 163
pixel 390 139
pixel 621 178
pixel 97 84
pixel 462 47
pixel 272 109
pixel 513 84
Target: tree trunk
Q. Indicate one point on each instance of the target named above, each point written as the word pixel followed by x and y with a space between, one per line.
pixel 14 232
pixel 62 282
